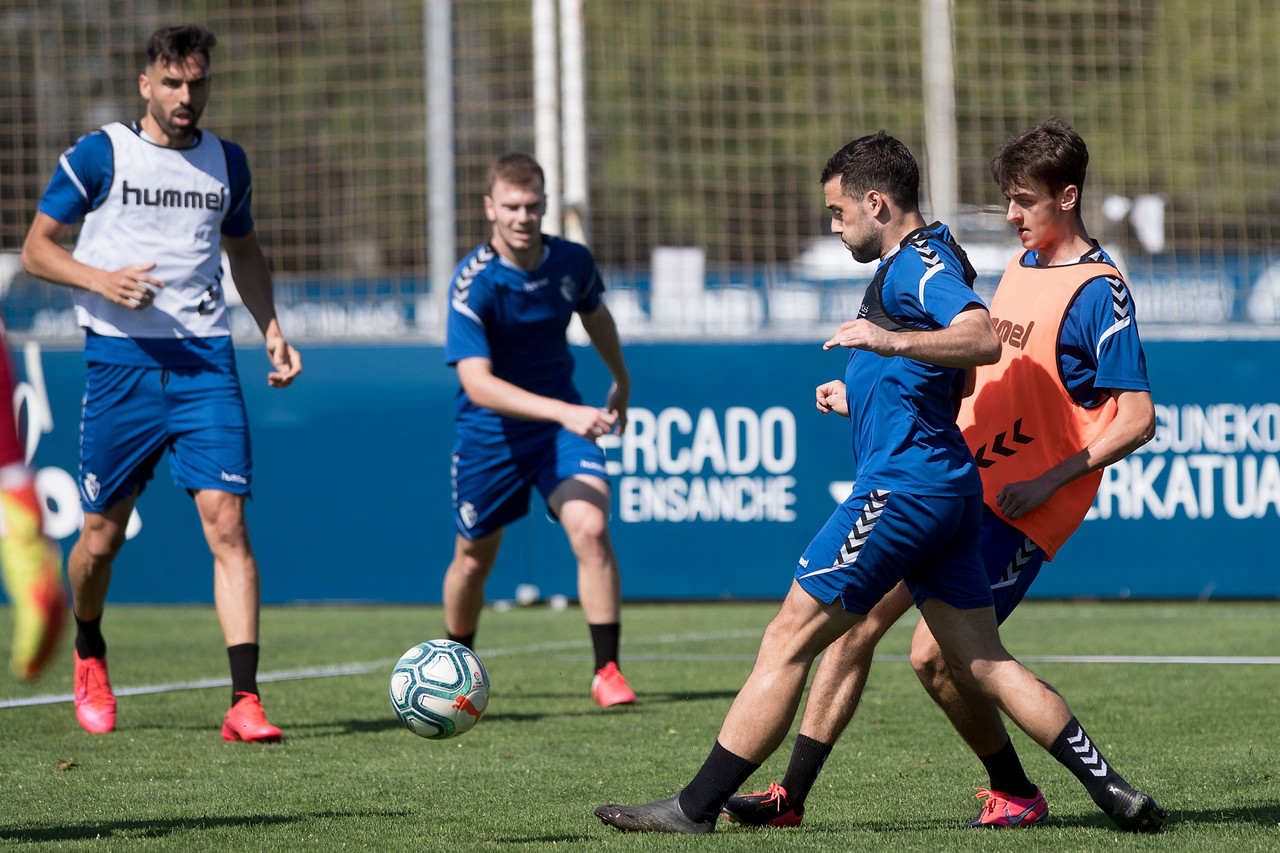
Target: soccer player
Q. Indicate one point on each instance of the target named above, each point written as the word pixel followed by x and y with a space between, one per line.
pixel 1068 397
pixel 520 421
pixel 32 564
pixel 916 506
pixel 161 200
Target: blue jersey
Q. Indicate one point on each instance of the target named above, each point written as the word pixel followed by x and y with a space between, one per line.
pixel 1097 351
pixel 903 411
pixel 518 319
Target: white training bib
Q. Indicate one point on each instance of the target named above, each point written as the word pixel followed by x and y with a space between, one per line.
pixel 165 206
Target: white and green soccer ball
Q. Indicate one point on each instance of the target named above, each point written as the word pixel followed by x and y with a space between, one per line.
pixel 439 689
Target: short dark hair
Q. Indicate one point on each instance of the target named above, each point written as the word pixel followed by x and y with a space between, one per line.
pixel 1051 154
pixel 175 44
pixel 517 169
pixel 876 162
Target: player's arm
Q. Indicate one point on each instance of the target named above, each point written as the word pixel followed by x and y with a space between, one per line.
pixel 252 276
pixel 1134 425
pixel 603 333
pixel 969 340
pixel 44 257
pixel 491 392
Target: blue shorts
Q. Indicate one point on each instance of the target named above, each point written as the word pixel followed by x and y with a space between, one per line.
pixel 132 414
pixel 877 538
pixel 491 486
pixel 1013 561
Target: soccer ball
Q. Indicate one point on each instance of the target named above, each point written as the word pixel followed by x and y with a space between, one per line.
pixel 439 689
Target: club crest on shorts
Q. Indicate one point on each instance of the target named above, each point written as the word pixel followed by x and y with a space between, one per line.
pixel 467 512
pixel 92 486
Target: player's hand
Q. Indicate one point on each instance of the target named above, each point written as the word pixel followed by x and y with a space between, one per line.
pixel 589 422
pixel 130 286
pixel 831 398
pixel 865 335
pixel 616 404
pixel 1017 499
pixel 285 359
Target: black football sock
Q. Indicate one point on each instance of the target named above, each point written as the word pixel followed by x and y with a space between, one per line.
pixel 1004 769
pixel 467 640
pixel 604 640
pixel 807 758
pixel 1074 749
pixel 720 777
pixel 244 669
pixel 89 642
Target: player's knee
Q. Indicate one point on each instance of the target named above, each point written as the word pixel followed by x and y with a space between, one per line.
pixel 931 667
pixel 227 534
pixel 99 546
pixel 470 570
pixel 926 659
pixel 594 555
pixel 588 531
pixel 774 646
pixel 225 527
pixel 786 642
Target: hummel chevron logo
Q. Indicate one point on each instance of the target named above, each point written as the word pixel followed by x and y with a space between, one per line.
pixel 1092 757
pixel 871 512
pixel 999 447
pixel 478 263
pixel 1020 559
pixel 997 444
pixel 932 261
pixel 1119 299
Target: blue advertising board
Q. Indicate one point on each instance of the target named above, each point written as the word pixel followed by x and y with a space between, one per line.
pixel 725 472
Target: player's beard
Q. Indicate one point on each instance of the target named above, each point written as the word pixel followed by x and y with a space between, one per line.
pixel 182 134
pixel 865 250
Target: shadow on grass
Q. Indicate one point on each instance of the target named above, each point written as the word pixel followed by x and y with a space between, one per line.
pixel 1262 816
pixel 292 731
pixel 342 727
pixel 138 829
pixel 830 828
pixel 686 696
pixel 1265 815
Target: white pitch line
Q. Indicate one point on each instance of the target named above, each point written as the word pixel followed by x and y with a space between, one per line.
pixel 284 675
pixel 566 645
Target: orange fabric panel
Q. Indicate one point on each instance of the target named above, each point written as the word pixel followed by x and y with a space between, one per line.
pixel 1020 420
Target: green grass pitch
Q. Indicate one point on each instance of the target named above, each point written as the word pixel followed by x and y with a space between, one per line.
pixel 1202 735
